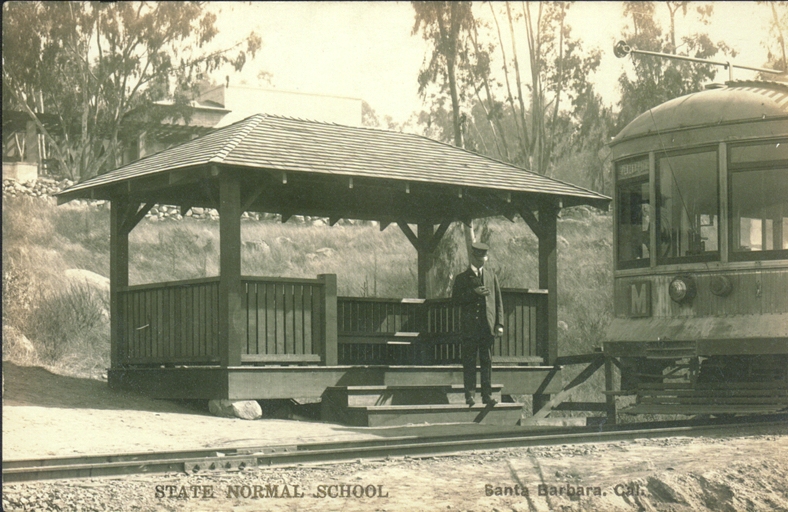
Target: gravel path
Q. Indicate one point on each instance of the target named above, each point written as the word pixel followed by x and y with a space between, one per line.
pixel 747 472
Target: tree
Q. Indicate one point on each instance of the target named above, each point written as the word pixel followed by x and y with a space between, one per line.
pixel 99 67
pixel 444 24
pixel 778 32
pixel 516 110
pixel 659 79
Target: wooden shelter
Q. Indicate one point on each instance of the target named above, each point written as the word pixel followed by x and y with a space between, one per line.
pixel 237 336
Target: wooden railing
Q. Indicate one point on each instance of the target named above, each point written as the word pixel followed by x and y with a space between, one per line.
pixel 426 332
pixel 283 320
pixel 170 323
pixel 291 321
pixel 178 323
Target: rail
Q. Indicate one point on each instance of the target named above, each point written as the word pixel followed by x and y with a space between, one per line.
pixel 248 457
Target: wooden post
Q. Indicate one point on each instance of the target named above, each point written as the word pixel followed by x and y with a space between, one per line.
pixel 547 344
pixel 610 398
pixel 231 314
pixel 425 260
pixel 118 277
pixel 548 278
pixel 329 316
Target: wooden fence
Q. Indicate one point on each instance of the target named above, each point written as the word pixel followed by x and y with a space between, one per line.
pixel 283 320
pixel 426 332
pixel 169 323
pixel 285 323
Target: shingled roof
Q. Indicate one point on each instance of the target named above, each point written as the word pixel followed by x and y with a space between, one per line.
pixel 265 144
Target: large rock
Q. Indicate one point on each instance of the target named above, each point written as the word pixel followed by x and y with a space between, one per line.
pixel 244 409
pixel 91 279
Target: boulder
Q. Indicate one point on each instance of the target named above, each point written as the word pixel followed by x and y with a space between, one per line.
pixel 257 246
pixel 247 409
pixel 244 409
pixel 86 277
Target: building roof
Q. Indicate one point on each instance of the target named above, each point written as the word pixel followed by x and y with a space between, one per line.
pixel 272 145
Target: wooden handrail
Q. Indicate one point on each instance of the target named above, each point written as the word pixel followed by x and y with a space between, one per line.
pixel 168 284
pixel 292 280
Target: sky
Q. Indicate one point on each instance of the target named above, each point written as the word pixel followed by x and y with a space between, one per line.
pixel 365 49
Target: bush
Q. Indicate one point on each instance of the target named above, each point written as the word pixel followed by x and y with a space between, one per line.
pixel 18 291
pixel 71 327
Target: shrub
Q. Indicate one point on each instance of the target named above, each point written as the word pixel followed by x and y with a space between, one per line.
pixel 71 326
pixel 18 295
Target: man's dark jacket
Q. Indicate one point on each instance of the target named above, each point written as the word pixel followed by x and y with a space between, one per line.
pixel 479 314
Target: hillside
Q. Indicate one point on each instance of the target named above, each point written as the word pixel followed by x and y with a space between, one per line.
pixel 56 260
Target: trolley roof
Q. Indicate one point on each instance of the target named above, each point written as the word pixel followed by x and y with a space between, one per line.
pixel 733 102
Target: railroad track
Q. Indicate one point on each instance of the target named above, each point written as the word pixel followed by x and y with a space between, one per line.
pixel 237 459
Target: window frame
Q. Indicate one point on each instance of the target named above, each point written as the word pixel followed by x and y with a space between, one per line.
pixel 708 256
pixel 642 262
pixel 763 255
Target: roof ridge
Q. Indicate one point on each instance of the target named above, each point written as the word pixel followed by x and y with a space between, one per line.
pixel 253 122
pixel 334 123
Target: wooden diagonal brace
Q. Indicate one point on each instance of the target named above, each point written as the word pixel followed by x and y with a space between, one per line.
pixel 133 216
pixel 433 242
pixel 558 398
pixel 410 234
pixel 252 198
pixel 533 223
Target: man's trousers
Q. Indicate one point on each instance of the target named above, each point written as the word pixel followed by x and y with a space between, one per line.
pixel 480 345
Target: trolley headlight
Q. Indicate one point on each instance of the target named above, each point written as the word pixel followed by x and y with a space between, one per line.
pixel 682 289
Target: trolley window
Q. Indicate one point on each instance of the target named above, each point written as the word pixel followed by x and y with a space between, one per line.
pixel 634 213
pixel 688 217
pixel 759 201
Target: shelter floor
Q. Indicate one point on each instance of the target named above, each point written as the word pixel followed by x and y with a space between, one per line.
pixel 49 415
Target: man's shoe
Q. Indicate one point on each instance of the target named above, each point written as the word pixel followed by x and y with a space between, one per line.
pixel 489 401
pixel 470 401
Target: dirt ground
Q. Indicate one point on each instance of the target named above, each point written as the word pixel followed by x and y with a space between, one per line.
pixel 50 415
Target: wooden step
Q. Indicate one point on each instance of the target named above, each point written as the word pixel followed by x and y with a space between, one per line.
pixel 714 392
pixel 359 396
pixel 713 386
pixel 390 415
pixel 701 400
pixel 694 410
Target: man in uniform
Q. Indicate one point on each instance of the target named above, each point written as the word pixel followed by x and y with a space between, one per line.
pixel 478 293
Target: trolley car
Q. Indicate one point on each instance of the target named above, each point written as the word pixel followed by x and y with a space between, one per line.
pixel 701 253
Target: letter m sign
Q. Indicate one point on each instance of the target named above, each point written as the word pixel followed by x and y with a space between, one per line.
pixel 639 298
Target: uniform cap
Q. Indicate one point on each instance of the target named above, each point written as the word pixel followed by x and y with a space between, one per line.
pixel 480 247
